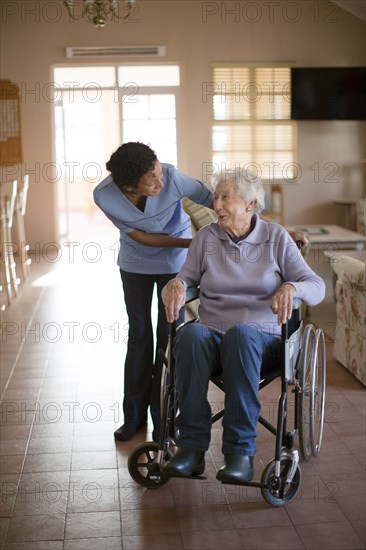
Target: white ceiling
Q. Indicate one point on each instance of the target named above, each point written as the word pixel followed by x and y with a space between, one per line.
pixel 356 7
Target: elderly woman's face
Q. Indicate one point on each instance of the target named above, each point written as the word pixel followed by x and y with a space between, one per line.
pixel 233 212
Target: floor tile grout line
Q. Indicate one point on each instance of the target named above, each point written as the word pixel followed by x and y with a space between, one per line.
pixel 31 430
pixel 36 307
pixel 28 440
pixel 5 388
pixel 32 424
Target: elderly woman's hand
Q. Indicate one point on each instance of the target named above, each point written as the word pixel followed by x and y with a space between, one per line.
pixel 174 299
pixel 282 302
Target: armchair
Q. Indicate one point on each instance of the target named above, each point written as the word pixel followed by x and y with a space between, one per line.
pixel 350 337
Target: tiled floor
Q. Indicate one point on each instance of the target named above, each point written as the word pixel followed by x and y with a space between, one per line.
pixel 64 481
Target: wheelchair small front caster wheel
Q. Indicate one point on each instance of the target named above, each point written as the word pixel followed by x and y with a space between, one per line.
pixel 276 491
pixel 144 468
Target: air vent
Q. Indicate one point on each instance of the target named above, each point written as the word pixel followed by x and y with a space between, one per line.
pixel 117 51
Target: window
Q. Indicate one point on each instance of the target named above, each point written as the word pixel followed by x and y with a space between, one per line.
pixel 96 108
pixel 149 105
pixel 150 75
pixel 84 77
pixel 252 126
pixel 152 120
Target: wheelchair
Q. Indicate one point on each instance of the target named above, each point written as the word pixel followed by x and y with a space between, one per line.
pixel 303 369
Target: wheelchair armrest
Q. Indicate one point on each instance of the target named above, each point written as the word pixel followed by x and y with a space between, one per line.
pixel 293 323
pixel 192 293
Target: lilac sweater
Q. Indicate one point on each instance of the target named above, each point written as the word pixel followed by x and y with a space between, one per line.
pixel 237 281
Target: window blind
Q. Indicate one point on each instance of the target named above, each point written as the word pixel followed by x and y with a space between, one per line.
pixel 251 120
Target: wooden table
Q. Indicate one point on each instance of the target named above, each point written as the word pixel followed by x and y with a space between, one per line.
pixel 333 237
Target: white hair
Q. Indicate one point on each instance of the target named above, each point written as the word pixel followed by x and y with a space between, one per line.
pixel 249 185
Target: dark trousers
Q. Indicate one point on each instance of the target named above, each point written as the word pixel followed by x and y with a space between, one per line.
pixel 143 366
pixel 238 357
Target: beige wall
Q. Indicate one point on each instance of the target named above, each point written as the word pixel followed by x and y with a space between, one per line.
pixel 35 34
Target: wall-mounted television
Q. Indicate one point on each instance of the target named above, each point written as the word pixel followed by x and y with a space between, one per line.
pixel 328 93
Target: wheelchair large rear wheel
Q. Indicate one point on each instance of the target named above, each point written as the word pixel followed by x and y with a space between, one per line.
pixel 305 391
pixel 317 396
pixel 277 491
pixel 144 468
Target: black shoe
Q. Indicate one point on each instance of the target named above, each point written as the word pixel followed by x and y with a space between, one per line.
pixel 237 468
pixel 185 463
pixel 127 431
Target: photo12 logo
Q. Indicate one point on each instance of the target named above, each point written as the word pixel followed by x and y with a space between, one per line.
pixel 269 12
pixel 53 11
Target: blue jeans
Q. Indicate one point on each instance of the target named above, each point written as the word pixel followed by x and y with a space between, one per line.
pixel 143 367
pixel 237 356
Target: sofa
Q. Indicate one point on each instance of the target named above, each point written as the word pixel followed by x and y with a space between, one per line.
pixel 350 294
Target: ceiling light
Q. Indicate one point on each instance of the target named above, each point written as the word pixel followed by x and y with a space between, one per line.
pixel 99 12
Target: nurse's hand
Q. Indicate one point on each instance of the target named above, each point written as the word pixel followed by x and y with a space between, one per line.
pixel 174 299
pixel 300 237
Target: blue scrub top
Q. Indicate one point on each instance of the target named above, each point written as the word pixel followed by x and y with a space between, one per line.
pixel 163 214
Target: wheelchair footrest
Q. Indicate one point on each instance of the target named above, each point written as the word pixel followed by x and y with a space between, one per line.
pixel 185 477
pixel 244 483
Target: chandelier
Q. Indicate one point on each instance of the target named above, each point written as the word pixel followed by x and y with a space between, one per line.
pixel 99 12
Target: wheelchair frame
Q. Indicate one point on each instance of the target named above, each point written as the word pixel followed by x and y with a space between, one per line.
pixel 303 366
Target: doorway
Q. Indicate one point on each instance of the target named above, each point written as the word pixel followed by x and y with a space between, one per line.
pixel 97 109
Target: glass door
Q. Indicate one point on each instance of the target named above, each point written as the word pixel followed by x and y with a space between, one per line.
pixel 99 108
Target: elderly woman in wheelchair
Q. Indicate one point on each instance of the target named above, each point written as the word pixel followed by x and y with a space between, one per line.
pixel 249 271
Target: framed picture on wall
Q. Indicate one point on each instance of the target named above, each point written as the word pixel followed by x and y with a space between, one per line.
pixel 10 137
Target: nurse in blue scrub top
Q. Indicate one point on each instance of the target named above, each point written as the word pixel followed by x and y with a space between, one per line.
pixel 142 197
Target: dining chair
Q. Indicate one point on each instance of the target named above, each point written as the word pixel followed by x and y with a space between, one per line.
pixel 20 209
pixel 8 196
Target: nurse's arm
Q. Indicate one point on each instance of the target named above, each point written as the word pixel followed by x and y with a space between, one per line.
pixel 158 240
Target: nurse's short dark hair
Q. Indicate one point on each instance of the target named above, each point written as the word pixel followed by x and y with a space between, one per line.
pixel 130 162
